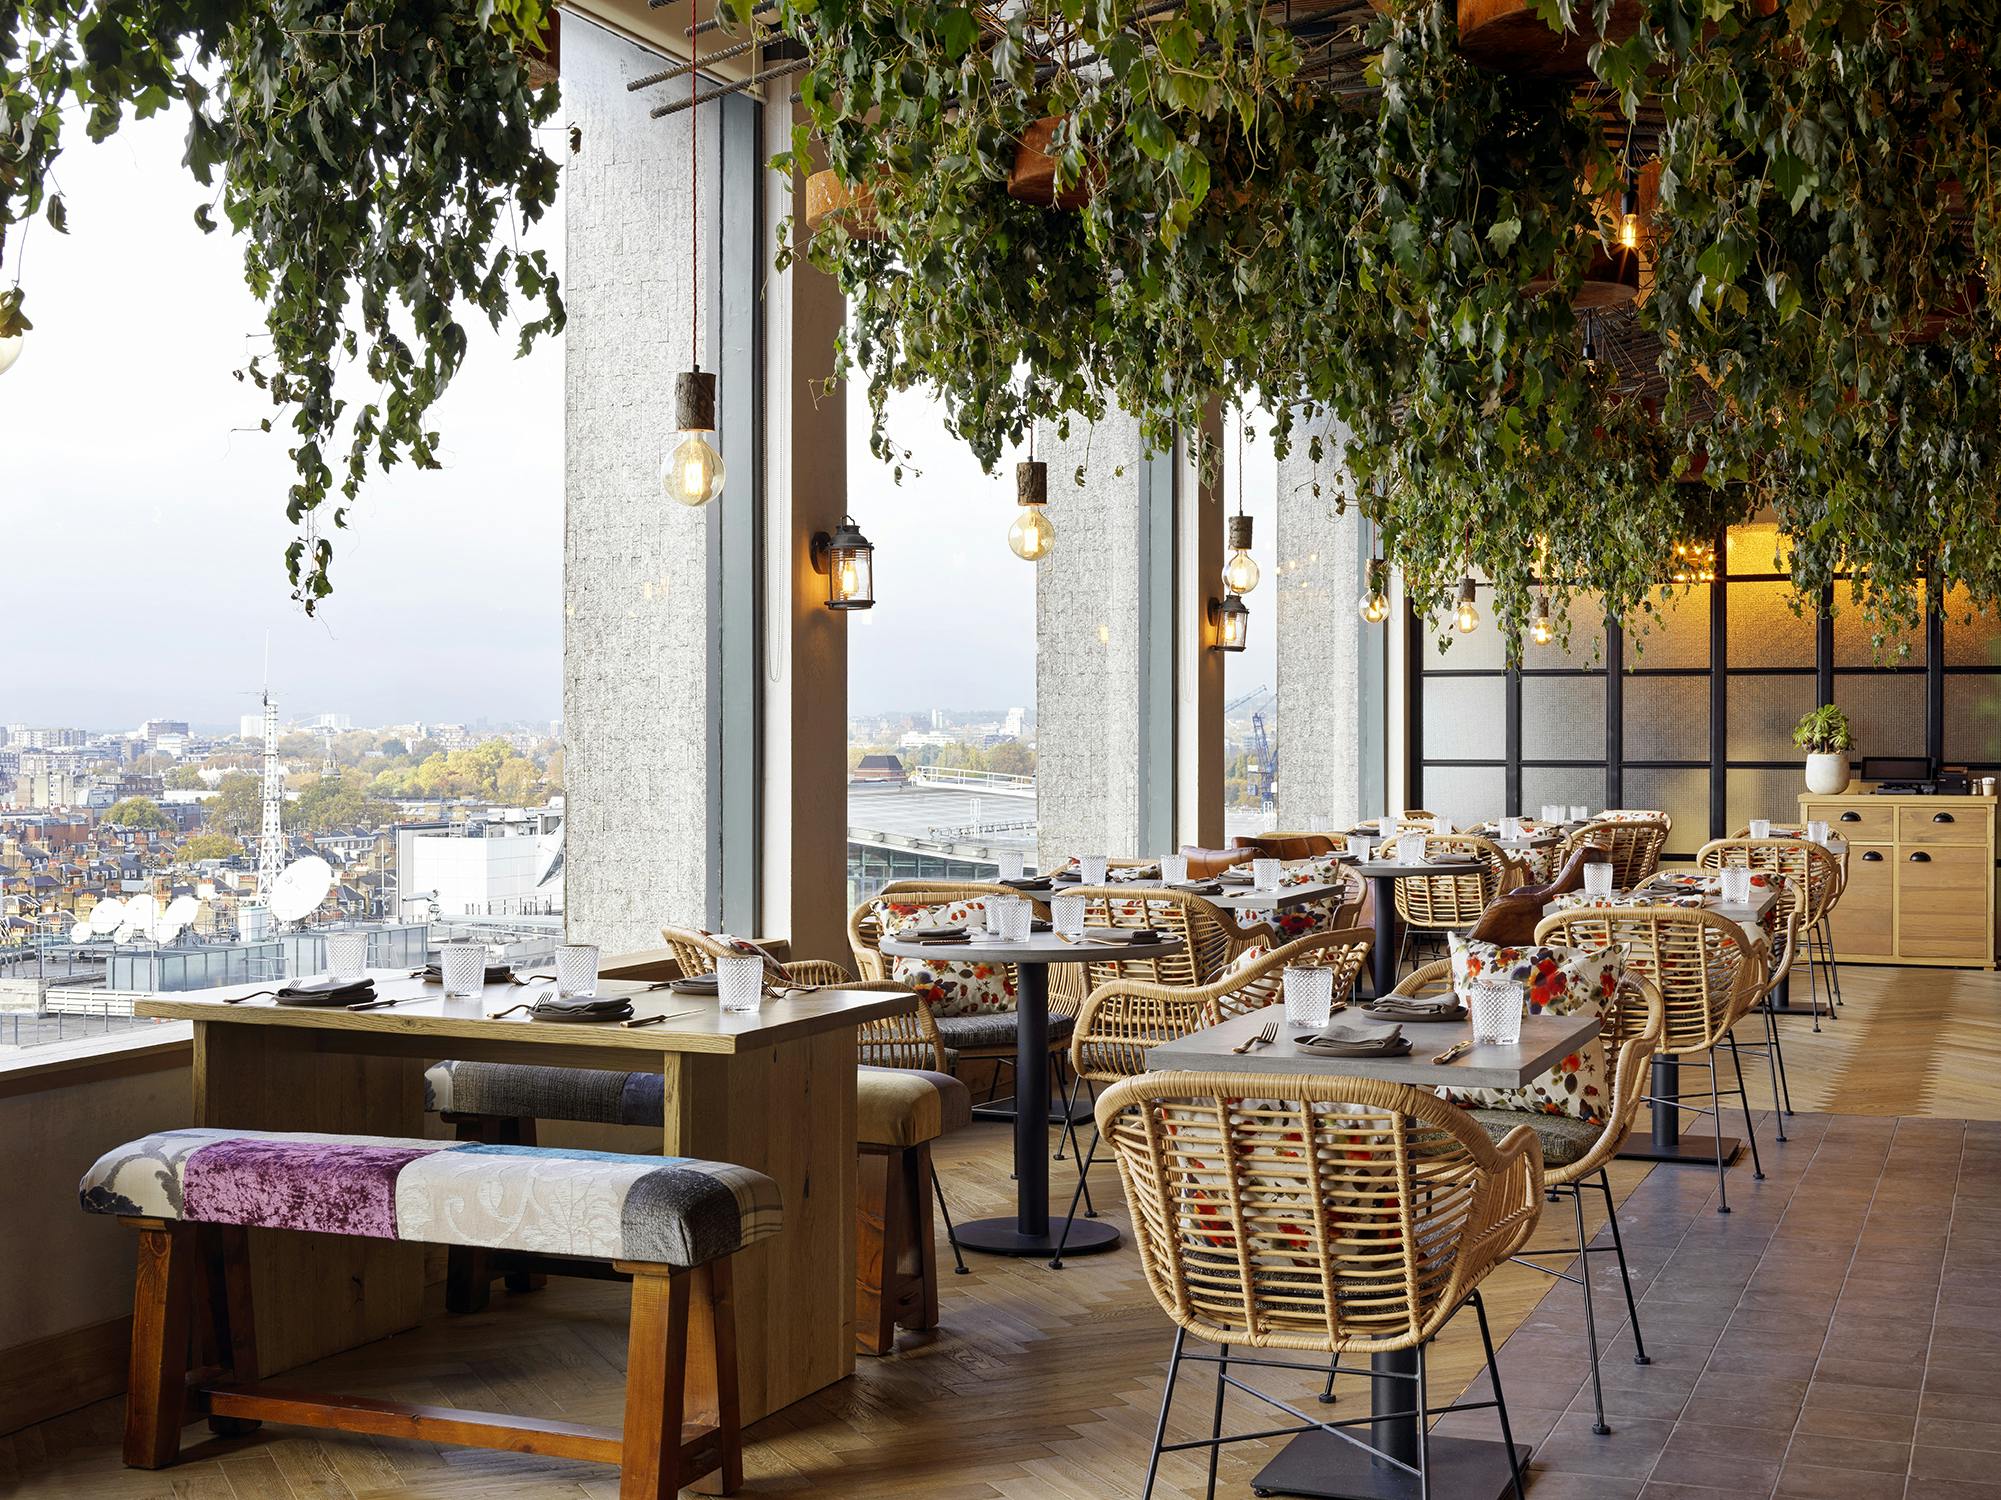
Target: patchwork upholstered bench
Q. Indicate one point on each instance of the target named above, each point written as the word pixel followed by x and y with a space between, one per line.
pixel 670 1224
pixel 899 1112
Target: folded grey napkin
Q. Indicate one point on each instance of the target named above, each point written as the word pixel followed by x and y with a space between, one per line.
pixel 1357 1042
pixel 694 984
pixel 932 935
pixel 1415 1008
pixel 1200 887
pixel 582 1008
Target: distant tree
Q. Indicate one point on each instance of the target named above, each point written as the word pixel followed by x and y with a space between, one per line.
pixel 393 747
pixel 344 803
pixel 1011 758
pixel 238 805
pixel 552 769
pixel 185 779
pixel 138 812
pixel 208 846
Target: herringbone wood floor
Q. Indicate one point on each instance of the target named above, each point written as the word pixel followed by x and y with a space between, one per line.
pixel 1041 1385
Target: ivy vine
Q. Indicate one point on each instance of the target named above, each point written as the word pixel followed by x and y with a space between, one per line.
pixel 378 158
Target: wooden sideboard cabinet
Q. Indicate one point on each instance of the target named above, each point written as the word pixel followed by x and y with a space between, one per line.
pixel 1920 877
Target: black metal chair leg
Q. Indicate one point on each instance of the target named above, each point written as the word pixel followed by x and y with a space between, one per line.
pixel 1716 1119
pixel 1625 1272
pixel 1166 1400
pixel 1782 1104
pixel 1590 1313
pixel 1056 1261
pixel 1333 1365
pixel 1069 1131
pixel 1750 1125
pixel 951 1234
pixel 1500 1401
pixel 1083 1172
pixel 1423 1428
pixel 1216 1419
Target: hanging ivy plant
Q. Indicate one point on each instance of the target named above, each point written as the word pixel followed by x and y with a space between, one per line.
pixel 377 157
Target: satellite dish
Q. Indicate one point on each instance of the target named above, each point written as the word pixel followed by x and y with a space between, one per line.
pixel 125 934
pixel 80 933
pixel 107 917
pixel 300 888
pixel 177 918
pixel 141 914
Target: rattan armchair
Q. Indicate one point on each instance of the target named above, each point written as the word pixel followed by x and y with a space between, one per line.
pixel 1337 1216
pixel 1816 877
pixel 1635 845
pixel 1576 1153
pixel 1433 905
pixel 1709 979
pixel 1211 938
pixel 696 952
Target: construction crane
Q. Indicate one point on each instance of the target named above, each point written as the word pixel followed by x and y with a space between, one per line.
pixel 1264 765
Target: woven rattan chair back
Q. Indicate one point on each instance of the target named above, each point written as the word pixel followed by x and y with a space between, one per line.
pixel 1124 1017
pixel 1636 815
pixel 865 935
pixel 1812 873
pixel 1635 847
pixel 1697 959
pixel 1314 1213
pixel 1210 937
pixel 1453 902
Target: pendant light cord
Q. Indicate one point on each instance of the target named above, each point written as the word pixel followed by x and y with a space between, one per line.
pixel 694 186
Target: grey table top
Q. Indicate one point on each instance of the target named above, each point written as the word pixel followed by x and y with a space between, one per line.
pixel 1747 915
pixel 1445 864
pixel 1037 948
pixel 1545 1039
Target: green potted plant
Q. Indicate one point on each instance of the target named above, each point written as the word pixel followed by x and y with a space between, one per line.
pixel 1825 736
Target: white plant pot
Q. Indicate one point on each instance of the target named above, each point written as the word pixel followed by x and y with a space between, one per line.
pixel 1827 773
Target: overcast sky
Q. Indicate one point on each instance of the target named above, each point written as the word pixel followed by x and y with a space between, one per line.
pixel 145 532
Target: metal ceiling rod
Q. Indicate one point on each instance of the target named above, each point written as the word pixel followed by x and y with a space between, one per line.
pixel 702 27
pixel 686 68
pixel 782 71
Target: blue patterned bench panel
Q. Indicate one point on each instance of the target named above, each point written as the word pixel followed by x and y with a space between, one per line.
pixel 599 1096
pixel 592 1204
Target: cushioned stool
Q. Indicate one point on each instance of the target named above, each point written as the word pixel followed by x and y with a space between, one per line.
pixel 670 1224
pixel 899 1113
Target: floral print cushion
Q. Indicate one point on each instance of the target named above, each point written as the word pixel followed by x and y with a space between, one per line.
pixel 951 986
pixel 1557 981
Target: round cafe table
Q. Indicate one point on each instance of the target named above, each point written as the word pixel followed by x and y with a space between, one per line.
pixel 1031 1231
pixel 1383 874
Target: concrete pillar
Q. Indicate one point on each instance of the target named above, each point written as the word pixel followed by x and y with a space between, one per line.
pixel 1325 718
pixel 639 664
pixel 1198 666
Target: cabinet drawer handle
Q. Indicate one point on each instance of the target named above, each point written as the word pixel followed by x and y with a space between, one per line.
pixel 1941 817
pixel 1921 858
pixel 1872 856
pixel 1851 816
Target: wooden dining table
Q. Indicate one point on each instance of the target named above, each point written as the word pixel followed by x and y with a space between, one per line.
pixel 771 1088
pixel 1317 1463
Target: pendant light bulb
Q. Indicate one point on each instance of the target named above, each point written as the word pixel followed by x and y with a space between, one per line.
pixel 1466 617
pixel 1542 630
pixel 692 472
pixel 1629 215
pixel 1375 605
pixel 10 350
pixel 1032 537
pixel 1240 573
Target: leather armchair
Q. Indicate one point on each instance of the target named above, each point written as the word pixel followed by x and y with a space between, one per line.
pixel 1512 916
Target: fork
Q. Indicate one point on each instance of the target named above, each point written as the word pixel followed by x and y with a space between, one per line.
pixel 1264 1038
pixel 1456 1051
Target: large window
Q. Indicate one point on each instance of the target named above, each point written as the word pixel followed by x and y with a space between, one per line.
pixel 941 673
pixel 1250 677
pixel 1690 707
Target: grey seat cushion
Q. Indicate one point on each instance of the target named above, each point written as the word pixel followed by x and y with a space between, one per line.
pixel 995 1029
pixel 598 1096
pixel 1564 1140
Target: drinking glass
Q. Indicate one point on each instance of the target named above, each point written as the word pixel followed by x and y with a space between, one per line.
pixel 1012 863
pixel 1092 867
pixel 1316 824
pixel 1736 884
pixel 1309 996
pixel 1817 832
pixel 1497 1012
pixel 1410 849
pixel 577 969
pixel 1598 879
pixel 1174 869
pixel 740 981
pixel 1552 812
pixel 1511 830
pixel 1264 874
pixel 464 968
pixel 347 955
pixel 996 912
pixel 1358 845
pixel 1066 917
pixel 1761 828
pixel 1579 813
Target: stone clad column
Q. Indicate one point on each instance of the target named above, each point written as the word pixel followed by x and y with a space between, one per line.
pixel 638 657
pixel 1323 720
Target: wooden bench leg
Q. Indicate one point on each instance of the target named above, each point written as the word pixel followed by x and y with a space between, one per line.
pixel 880 1232
pixel 656 1363
pixel 225 1264
pixel 156 1393
pixel 469 1272
pixel 918 1187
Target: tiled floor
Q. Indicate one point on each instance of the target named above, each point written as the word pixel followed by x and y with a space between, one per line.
pixel 1837 1336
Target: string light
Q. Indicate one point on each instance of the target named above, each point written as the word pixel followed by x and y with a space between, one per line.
pixel 1466 617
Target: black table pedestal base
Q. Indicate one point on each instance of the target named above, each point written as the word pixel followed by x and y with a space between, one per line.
pixel 1004 1237
pixel 1329 1468
pixel 1691 1150
pixel 1666 1140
